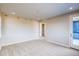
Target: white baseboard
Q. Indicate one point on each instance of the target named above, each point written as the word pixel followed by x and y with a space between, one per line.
pixel 15 42
pixel 58 43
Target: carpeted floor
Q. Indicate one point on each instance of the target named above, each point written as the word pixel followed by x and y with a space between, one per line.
pixel 37 48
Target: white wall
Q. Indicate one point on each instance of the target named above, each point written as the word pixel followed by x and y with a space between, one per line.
pixel 18 29
pixel 36 29
pixel 0 30
pixel 58 30
pixel 0 25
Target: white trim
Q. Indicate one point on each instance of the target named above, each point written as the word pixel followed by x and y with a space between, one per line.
pixel 14 42
pixel 58 43
pixel 71 30
pixel 76 18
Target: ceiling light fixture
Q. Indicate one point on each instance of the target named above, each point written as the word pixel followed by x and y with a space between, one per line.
pixel 70 8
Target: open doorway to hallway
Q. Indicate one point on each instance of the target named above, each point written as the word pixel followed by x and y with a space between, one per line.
pixel 43 30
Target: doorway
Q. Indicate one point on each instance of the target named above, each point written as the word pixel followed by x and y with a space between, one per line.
pixel 42 30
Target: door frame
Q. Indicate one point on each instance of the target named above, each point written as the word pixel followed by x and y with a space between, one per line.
pixel 71 31
pixel 41 37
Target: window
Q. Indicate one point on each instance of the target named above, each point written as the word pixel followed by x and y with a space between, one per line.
pixel 76 29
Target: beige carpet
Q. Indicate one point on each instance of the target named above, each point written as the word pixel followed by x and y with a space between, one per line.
pixel 37 48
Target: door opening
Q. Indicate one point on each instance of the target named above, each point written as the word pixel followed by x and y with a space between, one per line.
pixel 43 30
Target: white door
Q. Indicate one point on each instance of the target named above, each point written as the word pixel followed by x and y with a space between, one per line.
pixel 75 32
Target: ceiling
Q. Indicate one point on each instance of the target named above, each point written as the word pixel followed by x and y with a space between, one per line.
pixel 38 10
